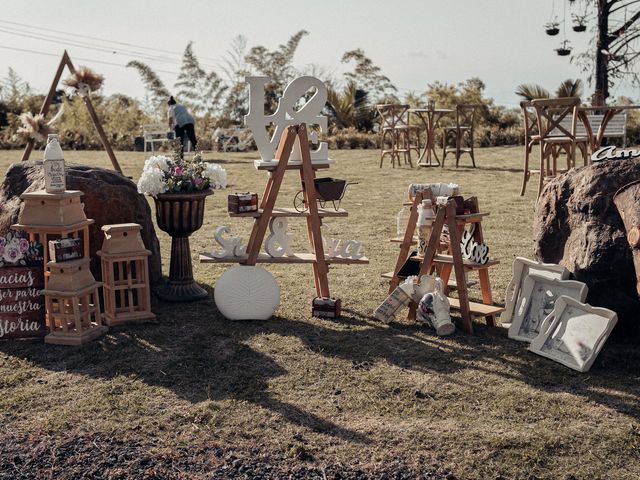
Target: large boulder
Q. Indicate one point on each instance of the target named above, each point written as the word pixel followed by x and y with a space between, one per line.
pixel 578 226
pixel 109 197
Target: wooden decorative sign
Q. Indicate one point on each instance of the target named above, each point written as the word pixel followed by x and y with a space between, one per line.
pixel 22 313
pixel 613 153
pixel 289 112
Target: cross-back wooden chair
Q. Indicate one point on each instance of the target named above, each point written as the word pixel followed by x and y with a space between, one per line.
pixel 396 134
pixel 555 134
pixel 531 138
pixel 461 135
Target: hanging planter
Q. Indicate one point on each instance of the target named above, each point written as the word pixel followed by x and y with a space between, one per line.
pixel 579 24
pixel 552 28
pixel 564 50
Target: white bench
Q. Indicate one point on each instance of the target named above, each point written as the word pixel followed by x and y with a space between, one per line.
pixel 154 133
pixel 616 127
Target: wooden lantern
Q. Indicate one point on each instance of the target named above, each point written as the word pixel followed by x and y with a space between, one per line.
pixel 72 302
pixel 51 216
pixel 125 275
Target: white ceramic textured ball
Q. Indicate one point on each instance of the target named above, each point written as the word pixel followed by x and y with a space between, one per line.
pixel 247 293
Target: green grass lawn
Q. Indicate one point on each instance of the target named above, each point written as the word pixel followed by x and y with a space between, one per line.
pixel 297 391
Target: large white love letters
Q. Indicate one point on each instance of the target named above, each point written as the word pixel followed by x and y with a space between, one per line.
pixel 286 114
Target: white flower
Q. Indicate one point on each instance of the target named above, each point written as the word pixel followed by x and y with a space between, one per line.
pixel 216 175
pixel 152 182
pixel 161 162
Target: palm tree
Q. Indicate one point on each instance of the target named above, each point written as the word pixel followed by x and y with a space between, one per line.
pixel 568 88
pixel 350 108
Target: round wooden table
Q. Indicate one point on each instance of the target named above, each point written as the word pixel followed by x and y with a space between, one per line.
pixel 429 118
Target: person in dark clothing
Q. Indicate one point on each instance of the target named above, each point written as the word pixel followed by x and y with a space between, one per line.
pixel 181 121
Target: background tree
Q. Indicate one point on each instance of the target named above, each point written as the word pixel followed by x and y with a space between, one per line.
pixel 156 90
pixel 615 51
pixel 368 77
pixel 277 65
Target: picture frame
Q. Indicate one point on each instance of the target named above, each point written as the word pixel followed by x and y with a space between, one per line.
pixel 521 268
pixel 537 299
pixel 574 334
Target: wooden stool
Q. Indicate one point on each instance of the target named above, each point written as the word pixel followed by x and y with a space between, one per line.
pixel 125 275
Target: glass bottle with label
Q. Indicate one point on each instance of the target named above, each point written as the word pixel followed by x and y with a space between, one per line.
pixel 54 173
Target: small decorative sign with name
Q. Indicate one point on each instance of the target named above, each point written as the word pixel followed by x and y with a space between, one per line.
pixel 22 312
pixel 472 250
pixel 613 153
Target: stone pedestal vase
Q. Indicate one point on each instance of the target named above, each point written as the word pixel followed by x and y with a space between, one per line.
pixel 627 200
pixel 179 215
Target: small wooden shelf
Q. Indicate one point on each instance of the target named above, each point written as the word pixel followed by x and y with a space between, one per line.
pixel 292 212
pixel 477 309
pixel 298 258
pixel 448 259
pixel 451 283
pixel 400 240
pixel 292 165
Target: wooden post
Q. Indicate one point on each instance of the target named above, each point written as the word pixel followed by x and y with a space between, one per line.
pixel 66 61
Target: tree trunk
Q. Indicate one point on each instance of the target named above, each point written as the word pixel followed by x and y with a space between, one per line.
pixel 602 58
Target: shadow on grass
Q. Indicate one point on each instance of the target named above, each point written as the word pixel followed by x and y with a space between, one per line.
pixel 200 356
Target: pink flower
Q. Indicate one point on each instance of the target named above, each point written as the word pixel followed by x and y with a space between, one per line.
pixel 23 244
pixel 198 182
pixel 178 170
pixel 12 253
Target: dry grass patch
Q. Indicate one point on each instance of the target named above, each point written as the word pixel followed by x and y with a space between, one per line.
pixel 303 391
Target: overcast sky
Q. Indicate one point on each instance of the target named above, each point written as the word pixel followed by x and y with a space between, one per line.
pixel 415 42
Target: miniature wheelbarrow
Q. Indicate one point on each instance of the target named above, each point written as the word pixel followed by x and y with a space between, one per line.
pixel 327 190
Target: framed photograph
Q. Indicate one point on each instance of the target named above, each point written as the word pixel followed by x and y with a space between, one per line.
pixel 574 334
pixel 537 299
pixel 522 267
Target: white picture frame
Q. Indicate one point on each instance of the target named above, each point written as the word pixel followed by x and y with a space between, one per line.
pixel 537 299
pixel 521 268
pixel 574 333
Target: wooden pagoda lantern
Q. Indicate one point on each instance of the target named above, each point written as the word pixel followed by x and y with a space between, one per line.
pixel 72 302
pixel 125 275
pixel 50 216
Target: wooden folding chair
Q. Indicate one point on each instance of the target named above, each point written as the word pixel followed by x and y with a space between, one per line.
pixel 555 136
pixel 396 133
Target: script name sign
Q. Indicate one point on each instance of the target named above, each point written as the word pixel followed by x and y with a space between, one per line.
pixel 21 302
pixel 613 153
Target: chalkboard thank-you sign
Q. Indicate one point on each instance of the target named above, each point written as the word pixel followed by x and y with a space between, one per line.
pixel 22 312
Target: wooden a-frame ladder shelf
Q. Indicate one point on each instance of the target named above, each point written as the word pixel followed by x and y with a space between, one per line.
pixel 445 263
pixel 313 214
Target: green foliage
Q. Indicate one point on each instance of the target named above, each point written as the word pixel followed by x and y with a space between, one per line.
pixel 368 77
pixel 155 87
pixel 199 91
pixel 277 65
pixel 568 88
pixel 349 108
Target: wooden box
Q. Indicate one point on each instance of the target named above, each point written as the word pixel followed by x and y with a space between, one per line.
pixel 326 307
pixel 66 249
pixel 243 202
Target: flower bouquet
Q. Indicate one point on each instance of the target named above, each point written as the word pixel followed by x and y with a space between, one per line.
pixel 162 174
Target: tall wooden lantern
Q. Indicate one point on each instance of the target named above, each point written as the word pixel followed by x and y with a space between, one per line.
pixel 50 216
pixel 72 302
pixel 125 275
